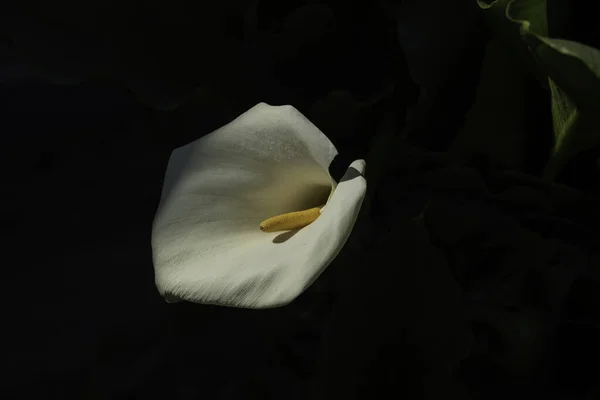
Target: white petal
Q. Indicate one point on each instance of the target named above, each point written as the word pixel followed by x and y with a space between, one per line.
pixel 207 247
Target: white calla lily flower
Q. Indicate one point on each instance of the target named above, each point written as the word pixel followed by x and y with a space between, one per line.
pixel 208 243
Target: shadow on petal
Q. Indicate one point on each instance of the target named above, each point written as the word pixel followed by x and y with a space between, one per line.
pixel 350 174
pixel 285 236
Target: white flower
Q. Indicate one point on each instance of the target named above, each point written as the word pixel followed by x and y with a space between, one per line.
pixel 207 244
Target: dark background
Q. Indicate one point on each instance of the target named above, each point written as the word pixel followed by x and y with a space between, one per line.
pixel 478 282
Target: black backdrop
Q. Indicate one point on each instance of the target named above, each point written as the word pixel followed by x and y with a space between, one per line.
pixel 488 294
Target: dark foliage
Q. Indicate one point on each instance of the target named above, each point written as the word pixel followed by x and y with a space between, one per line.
pixel 475 281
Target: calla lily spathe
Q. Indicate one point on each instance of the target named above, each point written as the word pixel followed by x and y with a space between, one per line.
pixel 206 242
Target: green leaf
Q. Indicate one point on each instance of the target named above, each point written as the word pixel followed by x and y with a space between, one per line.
pixel 504 29
pixel 573 71
pixel 500 111
pixel 570 70
pixel 534 12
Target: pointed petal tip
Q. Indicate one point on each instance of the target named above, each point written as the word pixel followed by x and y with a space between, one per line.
pixel 359 165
